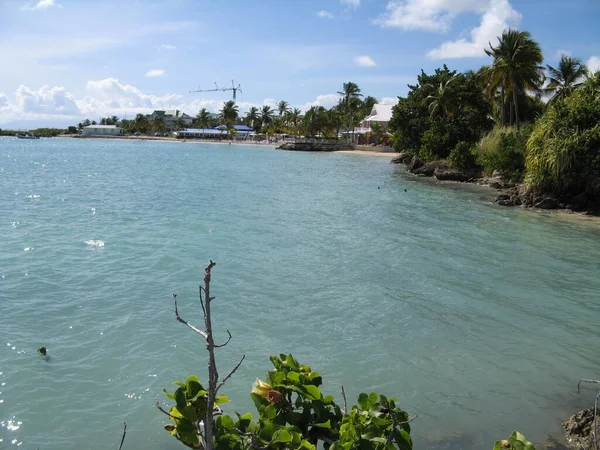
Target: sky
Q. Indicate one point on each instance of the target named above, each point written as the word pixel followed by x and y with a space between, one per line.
pixel 65 60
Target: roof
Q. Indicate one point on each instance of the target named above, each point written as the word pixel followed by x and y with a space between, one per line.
pixel 200 131
pixel 380 113
pixel 102 126
pixel 236 127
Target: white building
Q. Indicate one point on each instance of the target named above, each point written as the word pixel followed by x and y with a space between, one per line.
pixel 380 113
pixel 102 130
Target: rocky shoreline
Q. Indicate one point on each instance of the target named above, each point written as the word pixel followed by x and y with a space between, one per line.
pixel 510 193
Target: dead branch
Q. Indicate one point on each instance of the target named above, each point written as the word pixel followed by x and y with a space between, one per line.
pixel 223 345
pixel 160 408
pixel 185 322
pixel 123 437
pixel 202 301
pixel 345 401
pixel 230 373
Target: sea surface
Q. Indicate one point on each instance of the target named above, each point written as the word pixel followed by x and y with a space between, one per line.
pixel 477 318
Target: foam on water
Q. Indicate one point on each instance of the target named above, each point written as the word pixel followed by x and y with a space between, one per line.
pixel 478 318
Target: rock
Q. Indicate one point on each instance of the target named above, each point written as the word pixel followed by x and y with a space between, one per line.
pixel 452 175
pixel 402 158
pixel 545 203
pixel 415 163
pixel 578 428
pixel 496 174
pixel 428 169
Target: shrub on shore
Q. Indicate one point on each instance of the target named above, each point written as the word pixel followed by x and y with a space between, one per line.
pixel 563 153
pixel 503 150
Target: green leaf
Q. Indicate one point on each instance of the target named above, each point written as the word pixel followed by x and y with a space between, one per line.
pixel 221 399
pixel 171 396
pixel 363 401
pixel 324 425
pixel 284 436
pixel 193 386
pixel 270 412
pixel 312 392
pixel 498 445
pixel 225 421
pixel 293 377
pixel 180 398
pixel 373 397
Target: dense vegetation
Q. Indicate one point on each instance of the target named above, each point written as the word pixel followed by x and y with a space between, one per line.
pixel 494 119
pixel 41 132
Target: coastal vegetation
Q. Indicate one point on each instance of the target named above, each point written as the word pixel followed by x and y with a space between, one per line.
pixel 513 118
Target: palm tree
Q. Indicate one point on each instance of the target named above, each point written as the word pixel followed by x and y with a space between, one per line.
pixel 442 101
pixel 203 119
pixel 159 124
pixel 314 121
pixel 367 105
pixel 515 70
pixel 567 77
pixel 283 108
pixel 266 115
pixel 252 118
pixel 350 102
pixel 293 119
pixel 229 112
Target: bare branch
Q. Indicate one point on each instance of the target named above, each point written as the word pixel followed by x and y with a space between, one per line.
pixel 223 345
pixel 254 438
pixel 160 408
pixel 200 288
pixel 185 322
pixel 345 401
pixel 124 432
pixel 230 373
pixel 586 381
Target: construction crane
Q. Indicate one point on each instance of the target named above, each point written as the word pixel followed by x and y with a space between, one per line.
pixel 233 88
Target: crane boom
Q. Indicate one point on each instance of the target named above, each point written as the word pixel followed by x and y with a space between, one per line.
pixel 233 88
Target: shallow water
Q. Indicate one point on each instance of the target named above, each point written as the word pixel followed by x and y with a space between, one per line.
pixel 480 319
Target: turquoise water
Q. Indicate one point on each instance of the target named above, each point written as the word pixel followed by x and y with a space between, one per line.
pixel 480 319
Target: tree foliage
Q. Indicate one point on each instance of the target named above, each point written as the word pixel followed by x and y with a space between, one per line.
pixel 563 152
pixel 440 111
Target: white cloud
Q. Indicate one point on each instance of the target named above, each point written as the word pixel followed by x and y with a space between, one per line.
pixel 364 61
pixel 498 16
pixel 593 64
pixel 155 73
pixel 166 47
pixel 351 3
pixel 561 52
pixel 428 15
pixel 326 100
pixel 325 14
pixel 389 100
pixel 42 4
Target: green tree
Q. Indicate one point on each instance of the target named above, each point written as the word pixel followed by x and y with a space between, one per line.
pixel 252 118
pixel 563 152
pixel 141 124
pixel 314 121
pixel 203 119
pixel 515 70
pixel 367 106
pixel 564 79
pixel 283 108
pixel 350 104
pixel 229 113
pixel 159 124
pixel 442 102
pixel 266 115
pixel 293 119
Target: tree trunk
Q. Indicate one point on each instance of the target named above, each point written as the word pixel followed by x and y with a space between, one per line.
pixel 516 108
pixel 213 376
pixel 503 107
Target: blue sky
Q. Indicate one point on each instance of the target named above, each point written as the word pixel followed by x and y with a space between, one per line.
pixel 68 59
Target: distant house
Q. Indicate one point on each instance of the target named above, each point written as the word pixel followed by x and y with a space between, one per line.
pixel 102 130
pixel 380 113
pixel 171 117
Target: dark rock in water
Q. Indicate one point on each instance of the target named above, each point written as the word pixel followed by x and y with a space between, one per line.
pixel 402 158
pixel 509 197
pixel 414 163
pixel 429 168
pixel 452 175
pixel 579 427
pixel 316 145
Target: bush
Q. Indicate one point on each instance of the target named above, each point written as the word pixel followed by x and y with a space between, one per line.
pixel 462 156
pixel 503 149
pixel 563 153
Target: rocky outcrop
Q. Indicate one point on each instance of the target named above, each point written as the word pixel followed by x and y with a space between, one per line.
pixel 579 427
pixel 414 164
pixel 314 145
pixel 428 169
pixel 402 158
pixel 449 174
